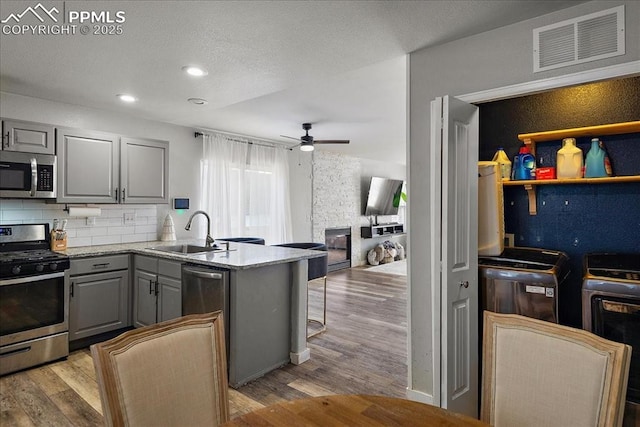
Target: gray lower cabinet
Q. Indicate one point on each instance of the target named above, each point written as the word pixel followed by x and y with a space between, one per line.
pixel 28 137
pixel 98 295
pixel 157 290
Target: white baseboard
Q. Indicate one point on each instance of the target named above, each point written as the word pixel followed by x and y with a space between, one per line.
pixel 419 396
pixel 299 358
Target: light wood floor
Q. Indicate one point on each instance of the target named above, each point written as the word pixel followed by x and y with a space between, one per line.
pixel 363 351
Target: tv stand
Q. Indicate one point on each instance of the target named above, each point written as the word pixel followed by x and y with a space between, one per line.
pixel 381 230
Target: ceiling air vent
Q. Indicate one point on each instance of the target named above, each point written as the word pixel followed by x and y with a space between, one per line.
pixel 587 38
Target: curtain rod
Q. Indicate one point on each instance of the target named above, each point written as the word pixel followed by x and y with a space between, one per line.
pixel 259 141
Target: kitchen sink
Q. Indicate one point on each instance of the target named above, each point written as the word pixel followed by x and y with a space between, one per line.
pixel 185 249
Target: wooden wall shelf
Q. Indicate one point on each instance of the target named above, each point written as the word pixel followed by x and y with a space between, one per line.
pixel 530 140
pixel 555 135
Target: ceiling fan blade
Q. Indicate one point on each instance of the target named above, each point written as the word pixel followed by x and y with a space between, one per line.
pixel 290 137
pixel 331 141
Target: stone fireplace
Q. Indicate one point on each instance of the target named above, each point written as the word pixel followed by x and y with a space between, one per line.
pixel 338 241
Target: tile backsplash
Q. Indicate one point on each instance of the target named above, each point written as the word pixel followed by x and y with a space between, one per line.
pixel 109 228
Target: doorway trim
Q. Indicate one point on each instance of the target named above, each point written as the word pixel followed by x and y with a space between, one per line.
pixel 628 69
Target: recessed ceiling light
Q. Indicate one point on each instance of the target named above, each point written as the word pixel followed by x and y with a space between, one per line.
pixel 192 70
pixel 126 98
pixel 198 101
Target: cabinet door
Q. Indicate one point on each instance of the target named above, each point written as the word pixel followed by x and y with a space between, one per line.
pixel 169 298
pixel 144 309
pixel 27 137
pixel 87 166
pixel 98 303
pixel 144 171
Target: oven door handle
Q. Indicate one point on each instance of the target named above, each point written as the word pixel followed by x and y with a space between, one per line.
pixel 37 278
pixel 619 307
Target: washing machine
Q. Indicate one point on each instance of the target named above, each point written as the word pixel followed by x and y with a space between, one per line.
pixel 611 309
pixel 523 281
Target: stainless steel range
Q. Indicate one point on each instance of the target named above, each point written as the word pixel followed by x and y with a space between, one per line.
pixel 34 300
pixel 611 309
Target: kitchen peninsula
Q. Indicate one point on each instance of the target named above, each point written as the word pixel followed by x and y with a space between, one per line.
pixel 267 297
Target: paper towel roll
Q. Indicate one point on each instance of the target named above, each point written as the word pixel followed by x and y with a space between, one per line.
pixel 84 212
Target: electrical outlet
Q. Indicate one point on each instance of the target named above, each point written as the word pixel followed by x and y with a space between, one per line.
pixel 129 218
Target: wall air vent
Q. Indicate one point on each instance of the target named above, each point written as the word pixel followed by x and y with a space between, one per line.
pixel 587 38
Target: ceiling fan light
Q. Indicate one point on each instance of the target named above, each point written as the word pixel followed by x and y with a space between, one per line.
pixel 306 146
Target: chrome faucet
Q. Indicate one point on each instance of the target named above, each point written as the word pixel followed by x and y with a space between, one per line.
pixel 209 239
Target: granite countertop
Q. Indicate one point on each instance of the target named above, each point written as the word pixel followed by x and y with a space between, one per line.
pixel 239 256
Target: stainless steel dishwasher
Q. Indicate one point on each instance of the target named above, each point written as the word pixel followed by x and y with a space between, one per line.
pixel 206 289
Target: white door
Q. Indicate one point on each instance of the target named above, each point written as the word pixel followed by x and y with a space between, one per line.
pixel 454 158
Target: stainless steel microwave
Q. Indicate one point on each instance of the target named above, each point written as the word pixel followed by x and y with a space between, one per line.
pixel 27 175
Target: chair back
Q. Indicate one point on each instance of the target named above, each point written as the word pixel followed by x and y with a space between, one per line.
pixel 538 373
pixel 317 267
pixel 168 374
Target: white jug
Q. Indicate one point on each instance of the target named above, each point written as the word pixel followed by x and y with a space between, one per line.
pixel 569 160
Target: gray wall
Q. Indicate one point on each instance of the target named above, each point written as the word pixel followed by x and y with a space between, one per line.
pixel 494 59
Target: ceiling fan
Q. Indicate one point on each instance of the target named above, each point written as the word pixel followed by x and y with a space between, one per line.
pixel 307 141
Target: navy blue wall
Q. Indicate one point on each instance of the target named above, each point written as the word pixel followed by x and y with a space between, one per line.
pixel 575 219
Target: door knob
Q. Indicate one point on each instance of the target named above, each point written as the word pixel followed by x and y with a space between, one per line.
pixel 464 284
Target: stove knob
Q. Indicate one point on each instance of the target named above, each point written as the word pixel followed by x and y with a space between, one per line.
pixel 16 269
pixel 39 267
pixel 53 266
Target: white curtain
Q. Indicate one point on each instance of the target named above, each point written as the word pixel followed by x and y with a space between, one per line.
pixel 245 189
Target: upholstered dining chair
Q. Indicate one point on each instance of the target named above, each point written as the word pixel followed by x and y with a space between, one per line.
pixel 538 373
pixel 317 268
pixel 168 374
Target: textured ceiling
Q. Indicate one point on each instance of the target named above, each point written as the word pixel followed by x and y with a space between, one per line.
pixel 272 65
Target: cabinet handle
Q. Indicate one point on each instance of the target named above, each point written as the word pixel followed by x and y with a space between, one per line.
pixel 123 194
pixel 102 265
pixel 157 288
pixel 151 284
pixel 7 142
pixel 71 289
pixel 117 195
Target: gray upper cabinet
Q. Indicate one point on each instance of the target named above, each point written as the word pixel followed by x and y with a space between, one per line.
pixel 144 166
pixel 87 166
pixel 96 167
pixel 27 137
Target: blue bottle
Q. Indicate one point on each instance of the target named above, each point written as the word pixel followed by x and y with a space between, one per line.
pixel 524 165
pixel 597 164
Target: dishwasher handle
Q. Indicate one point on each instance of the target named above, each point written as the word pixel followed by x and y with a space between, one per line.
pixel 202 274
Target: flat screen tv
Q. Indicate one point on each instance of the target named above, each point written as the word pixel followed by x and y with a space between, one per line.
pixel 384 196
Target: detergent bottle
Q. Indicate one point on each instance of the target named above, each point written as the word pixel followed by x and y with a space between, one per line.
pixel 525 165
pixel 598 164
pixel 504 164
pixel 569 160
